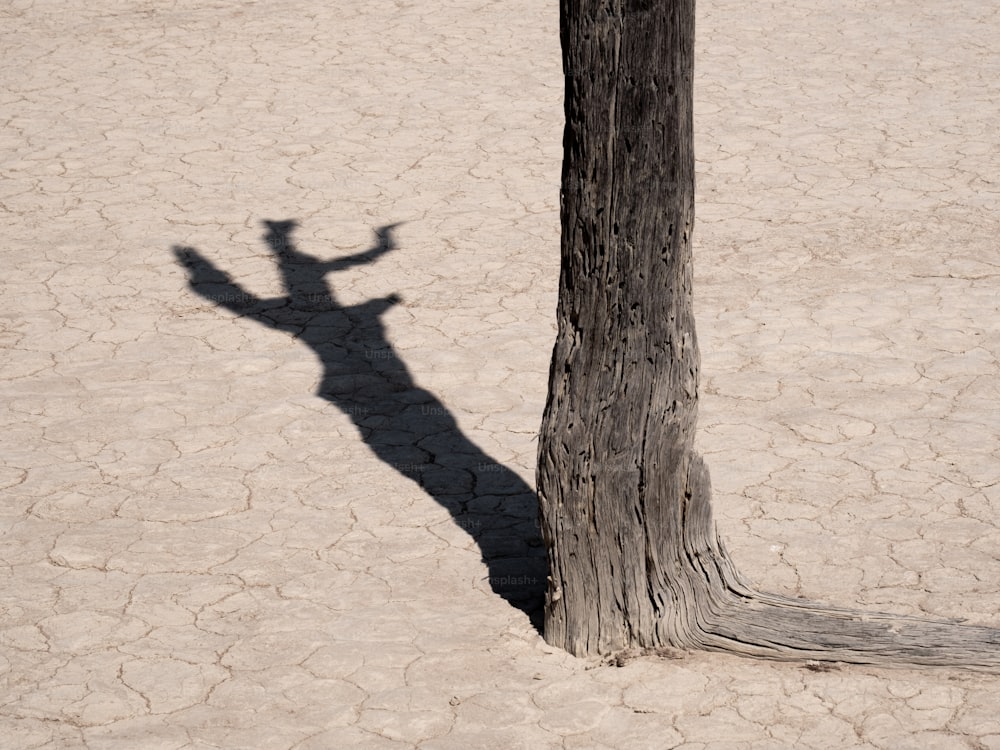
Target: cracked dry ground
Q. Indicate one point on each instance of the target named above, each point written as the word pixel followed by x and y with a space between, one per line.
pixel 201 550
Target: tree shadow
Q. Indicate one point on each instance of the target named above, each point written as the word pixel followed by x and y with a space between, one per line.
pixel 406 426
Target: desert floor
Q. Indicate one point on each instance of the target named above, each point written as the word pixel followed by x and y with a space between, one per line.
pixel 201 551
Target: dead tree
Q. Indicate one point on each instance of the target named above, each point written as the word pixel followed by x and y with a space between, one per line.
pixel 635 559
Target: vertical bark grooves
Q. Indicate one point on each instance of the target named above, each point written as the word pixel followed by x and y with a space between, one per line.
pixel 635 558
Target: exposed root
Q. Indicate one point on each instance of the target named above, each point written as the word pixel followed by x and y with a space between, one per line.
pixel 725 614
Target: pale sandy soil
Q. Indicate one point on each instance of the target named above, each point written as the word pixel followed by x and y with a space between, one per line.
pixel 200 552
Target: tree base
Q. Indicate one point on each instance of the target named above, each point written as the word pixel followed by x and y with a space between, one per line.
pixel 721 612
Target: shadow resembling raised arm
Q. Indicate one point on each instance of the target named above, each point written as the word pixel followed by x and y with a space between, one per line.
pixel 385 244
pixel 217 286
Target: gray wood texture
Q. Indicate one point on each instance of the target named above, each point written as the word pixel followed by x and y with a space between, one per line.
pixel 635 559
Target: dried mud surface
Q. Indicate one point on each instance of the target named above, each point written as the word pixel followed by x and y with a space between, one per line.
pixel 200 550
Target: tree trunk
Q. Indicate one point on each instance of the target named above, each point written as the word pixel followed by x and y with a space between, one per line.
pixel 625 501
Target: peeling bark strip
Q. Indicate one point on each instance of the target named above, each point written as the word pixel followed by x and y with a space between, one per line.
pixel 635 559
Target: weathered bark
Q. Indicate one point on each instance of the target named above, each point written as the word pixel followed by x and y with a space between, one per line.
pixel 635 559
